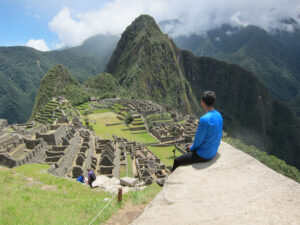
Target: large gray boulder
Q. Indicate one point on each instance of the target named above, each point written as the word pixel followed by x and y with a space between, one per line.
pixel 233 189
pixel 128 181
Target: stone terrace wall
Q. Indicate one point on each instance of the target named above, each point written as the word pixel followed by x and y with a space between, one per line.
pixel 53 137
pixel 30 155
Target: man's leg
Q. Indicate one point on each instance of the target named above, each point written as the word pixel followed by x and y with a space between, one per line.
pixel 186 159
pixel 91 182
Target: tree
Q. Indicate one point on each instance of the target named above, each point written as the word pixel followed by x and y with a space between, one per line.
pixel 128 119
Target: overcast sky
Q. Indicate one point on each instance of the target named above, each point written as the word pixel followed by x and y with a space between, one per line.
pixel 52 24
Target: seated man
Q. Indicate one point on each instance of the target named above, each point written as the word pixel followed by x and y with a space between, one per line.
pixel 208 135
pixel 91 177
pixel 81 178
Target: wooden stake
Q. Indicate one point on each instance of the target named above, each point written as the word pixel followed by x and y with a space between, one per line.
pixel 120 194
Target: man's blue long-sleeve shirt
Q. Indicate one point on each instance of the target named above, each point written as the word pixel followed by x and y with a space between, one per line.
pixel 208 135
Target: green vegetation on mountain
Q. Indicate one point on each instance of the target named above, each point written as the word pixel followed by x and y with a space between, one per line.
pixel 257 51
pixel 146 65
pixel 57 82
pixel 86 60
pixel 22 69
pixel 20 72
pixel 104 85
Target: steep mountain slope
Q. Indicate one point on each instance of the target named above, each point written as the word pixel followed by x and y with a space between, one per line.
pixel 255 50
pixel 249 112
pixel 88 59
pixel 290 38
pixel 147 65
pixel 103 85
pixel 58 81
pixel 22 68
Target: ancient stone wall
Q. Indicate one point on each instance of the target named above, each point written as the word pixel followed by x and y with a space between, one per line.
pixel 21 155
pixel 64 164
pixel 53 137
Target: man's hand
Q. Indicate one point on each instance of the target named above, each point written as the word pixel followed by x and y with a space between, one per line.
pixel 188 149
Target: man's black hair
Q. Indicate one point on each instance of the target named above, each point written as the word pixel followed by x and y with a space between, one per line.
pixel 208 97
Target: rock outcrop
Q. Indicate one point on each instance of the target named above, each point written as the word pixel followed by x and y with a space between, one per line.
pixel 234 188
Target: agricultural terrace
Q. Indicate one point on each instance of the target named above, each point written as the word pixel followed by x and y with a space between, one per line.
pixel 165 154
pixel 104 117
pixel 117 127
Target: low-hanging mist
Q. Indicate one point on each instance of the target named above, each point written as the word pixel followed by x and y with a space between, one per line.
pixel 192 16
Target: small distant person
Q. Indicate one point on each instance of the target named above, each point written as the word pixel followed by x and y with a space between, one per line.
pixel 208 135
pixel 81 178
pixel 91 177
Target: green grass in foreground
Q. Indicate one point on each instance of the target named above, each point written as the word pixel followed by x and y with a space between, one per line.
pixel 23 201
pixel 165 154
pixel 119 130
pixel 269 160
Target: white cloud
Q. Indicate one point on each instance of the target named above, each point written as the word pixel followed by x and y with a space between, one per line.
pixel 38 44
pixel 229 32
pixel 195 16
pixel 57 45
pixel 235 19
pixel 37 16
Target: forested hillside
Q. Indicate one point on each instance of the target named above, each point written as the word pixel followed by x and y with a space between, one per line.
pixel 22 69
pixel 272 58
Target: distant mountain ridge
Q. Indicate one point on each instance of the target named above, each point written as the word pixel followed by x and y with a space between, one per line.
pixel 22 69
pixel 273 58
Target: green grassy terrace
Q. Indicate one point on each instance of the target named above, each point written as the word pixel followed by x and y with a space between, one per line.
pixel 23 200
pixel 120 130
pixel 165 154
pixel 106 116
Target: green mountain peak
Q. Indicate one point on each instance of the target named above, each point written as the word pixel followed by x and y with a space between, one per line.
pixel 58 81
pixel 148 65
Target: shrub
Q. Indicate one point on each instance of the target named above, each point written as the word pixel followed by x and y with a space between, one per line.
pixel 128 119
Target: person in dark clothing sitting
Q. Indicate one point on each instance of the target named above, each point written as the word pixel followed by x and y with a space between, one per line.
pixel 208 135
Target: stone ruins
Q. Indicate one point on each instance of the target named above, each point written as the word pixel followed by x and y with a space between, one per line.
pixel 58 138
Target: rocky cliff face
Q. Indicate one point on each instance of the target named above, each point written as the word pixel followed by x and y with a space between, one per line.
pixel 234 188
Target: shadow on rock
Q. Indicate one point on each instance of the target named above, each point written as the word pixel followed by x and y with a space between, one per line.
pixel 204 165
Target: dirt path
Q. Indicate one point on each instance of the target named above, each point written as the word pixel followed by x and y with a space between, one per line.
pixel 126 215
